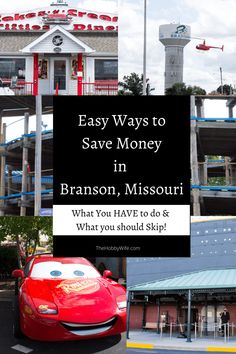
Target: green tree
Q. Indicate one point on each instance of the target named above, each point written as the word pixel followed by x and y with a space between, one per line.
pixel 227 89
pixel 25 230
pixel 180 88
pixel 133 85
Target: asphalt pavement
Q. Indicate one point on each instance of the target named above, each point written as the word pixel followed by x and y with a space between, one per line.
pixel 10 345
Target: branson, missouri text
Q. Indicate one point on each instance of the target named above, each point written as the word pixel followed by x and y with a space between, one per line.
pixel 126 189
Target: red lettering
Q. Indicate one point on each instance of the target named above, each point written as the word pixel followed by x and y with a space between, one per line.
pixel 30 15
pixel 14 26
pixel 7 27
pixel 89 28
pixel 41 13
pixel 90 15
pixel 105 17
pixel 72 12
pixel 115 19
pixel 36 27
pixel 56 12
pixel 110 28
pixel 8 18
pixel 19 17
pixel 79 27
pixel 81 14
pixel 98 28
pixel 46 27
pixel 27 27
pixel 21 27
pixel 1 24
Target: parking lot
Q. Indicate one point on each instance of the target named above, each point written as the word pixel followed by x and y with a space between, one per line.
pixel 114 345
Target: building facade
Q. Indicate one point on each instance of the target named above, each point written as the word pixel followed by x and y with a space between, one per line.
pixel 159 287
pixel 59 50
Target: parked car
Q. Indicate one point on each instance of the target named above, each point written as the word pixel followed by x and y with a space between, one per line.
pixel 67 299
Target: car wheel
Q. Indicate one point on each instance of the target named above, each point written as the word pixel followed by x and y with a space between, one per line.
pixel 16 324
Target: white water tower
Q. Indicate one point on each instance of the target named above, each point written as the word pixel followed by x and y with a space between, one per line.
pixel 174 37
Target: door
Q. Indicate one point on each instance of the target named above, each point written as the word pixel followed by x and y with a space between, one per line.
pixel 59 78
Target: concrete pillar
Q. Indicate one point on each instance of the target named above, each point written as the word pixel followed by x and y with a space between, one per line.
pixel 24 166
pixel 227 171
pixel 233 171
pixel 3 166
pixel 38 156
pixel 194 162
pixel 200 107
pixel 9 184
pixel 231 112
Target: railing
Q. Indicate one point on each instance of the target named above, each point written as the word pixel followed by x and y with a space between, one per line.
pixel 23 88
pixel 198 330
pixel 100 88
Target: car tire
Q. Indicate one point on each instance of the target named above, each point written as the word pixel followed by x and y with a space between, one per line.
pixel 16 324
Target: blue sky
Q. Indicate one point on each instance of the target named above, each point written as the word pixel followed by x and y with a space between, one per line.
pixel 213 20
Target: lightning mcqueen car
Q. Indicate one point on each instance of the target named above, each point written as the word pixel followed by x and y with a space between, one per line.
pixel 67 299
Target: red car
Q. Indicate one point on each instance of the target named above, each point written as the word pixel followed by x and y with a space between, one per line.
pixel 67 299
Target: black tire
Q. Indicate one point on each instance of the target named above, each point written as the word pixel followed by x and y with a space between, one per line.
pixel 16 318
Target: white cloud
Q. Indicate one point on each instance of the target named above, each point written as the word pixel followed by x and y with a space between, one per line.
pixel 108 6
pixel 213 20
pixel 11 6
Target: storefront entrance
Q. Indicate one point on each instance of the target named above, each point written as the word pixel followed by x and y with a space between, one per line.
pixel 59 75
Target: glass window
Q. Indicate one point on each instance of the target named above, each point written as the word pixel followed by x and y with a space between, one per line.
pixel 58 270
pixel 106 69
pixel 12 67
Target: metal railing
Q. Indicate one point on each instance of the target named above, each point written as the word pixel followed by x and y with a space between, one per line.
pixel 102 89
pixel 217 331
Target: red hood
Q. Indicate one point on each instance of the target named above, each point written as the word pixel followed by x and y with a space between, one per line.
pixel 78 300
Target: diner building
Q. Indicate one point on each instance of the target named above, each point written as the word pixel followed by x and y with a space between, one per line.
pixel 59 50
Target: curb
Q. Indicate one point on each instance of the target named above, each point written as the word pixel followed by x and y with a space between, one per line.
pixel 140 345
pixel 134 345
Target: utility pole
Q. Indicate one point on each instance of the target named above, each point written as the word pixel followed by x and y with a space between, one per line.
pixel 221 82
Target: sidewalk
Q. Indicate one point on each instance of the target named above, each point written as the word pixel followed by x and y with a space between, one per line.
pixel 151 340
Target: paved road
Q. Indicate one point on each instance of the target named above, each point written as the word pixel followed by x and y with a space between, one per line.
pixel 114 345
pixel 162 351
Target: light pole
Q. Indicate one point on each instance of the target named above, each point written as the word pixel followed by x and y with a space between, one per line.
pixel 144 48
pixel 221 82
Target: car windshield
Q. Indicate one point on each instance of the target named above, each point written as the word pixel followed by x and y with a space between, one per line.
pixel 58 270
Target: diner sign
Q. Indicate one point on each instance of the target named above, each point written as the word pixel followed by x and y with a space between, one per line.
pixel 70 18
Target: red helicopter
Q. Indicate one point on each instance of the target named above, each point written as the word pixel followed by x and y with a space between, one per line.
pixel 203 46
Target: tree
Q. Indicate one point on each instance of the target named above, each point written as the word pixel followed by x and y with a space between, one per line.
pixel 227 89
pixel 180 88
pixel 25 231
pixel 133 85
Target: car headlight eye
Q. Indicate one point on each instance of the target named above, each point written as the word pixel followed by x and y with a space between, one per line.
pixel 47 310
pixel 45 307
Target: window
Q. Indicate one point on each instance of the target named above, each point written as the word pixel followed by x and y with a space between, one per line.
pixel 10 67
pixel 106 69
